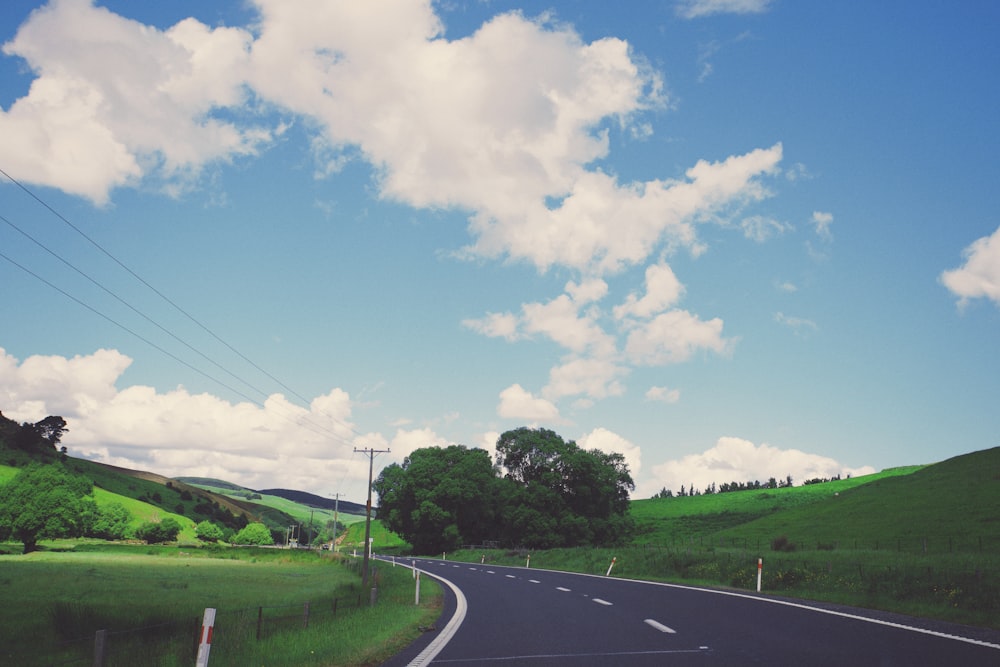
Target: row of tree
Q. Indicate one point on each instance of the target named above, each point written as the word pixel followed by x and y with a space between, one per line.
pixel 539 492
pixel 729 487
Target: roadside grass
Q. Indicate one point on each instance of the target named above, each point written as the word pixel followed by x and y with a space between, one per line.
pixel 922 540
pixel 151 599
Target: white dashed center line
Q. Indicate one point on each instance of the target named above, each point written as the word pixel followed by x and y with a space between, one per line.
pixel 604 602
pixel 659 626
pixel 564 590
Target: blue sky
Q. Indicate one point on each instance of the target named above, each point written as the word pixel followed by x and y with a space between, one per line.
pixel 730 239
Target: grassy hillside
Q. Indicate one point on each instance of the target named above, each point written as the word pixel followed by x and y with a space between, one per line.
pixel 665 521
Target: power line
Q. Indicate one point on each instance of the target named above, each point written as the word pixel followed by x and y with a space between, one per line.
pixel 314 427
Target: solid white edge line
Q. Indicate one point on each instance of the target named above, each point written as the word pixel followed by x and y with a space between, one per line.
pixel 798 605
pixel 461 606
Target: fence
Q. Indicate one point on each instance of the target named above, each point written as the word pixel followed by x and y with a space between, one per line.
pixel 179 639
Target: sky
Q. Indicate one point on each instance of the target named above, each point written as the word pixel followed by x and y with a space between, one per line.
pixel 728 239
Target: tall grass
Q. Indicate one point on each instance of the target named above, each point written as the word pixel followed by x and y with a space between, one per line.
pixel 151 601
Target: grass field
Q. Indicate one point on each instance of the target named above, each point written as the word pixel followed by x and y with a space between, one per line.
pixel 151 601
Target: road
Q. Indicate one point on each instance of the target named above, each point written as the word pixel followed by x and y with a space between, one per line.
pixel 517 616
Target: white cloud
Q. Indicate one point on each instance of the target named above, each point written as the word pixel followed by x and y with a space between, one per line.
pixel 822 221
pixel 760 228
pixel 115 100
pixel 797 324
pixel 738 460
pixel 663 395
pixel 673 337
pixel 180 433
pixel 663 290
pixel 561 321
pixel 691 9
pixel 405 442
pixel 593 378
pixel 979 276
pixel 495 325
pixel 786 286
pixel 612 443
pixel 518 403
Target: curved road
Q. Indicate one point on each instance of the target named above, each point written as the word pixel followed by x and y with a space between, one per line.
pixel 519 616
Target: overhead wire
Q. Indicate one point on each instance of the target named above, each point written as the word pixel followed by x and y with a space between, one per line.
pixel 320 430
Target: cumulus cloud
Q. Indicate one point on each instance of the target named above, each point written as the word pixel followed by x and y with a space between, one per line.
pixel 663 290
pixel 674 337
pixel 612 443
pixel 519 404
pixel 176 432
pixel 738 460
pixel 115 100
pixel 691 9
pixel 979 276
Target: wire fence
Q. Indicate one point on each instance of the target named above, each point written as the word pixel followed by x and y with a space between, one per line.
pixel 179 639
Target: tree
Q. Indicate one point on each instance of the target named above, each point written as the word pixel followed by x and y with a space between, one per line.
pixel 112 522
pixel 583 495
pixel 439 498
pixel 44 501
pixel 157 532
pixel 255 534
pixel 208 531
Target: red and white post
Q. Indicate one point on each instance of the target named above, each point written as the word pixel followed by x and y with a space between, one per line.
pixel 608 573
pixel 760 566
pixel 205 641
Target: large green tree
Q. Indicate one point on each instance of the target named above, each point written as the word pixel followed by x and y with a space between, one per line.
pixel 560 494
pixel 440 498
pixel 45 501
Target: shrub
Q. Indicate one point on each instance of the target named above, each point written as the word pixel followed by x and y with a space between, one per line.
pixel 156 533
pixel 781 543
pixel 208 532
pixel 255 534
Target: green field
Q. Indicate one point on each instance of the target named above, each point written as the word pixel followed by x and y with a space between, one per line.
pixel 151 601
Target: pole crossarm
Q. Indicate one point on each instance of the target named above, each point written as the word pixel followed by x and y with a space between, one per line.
pixel 368 510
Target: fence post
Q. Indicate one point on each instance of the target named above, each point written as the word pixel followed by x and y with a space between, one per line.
pixel 205 644
pixel 100 643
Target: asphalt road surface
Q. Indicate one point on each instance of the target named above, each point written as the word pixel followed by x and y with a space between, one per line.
pixel 510 616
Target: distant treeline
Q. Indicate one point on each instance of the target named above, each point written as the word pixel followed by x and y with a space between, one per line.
pixel 728 487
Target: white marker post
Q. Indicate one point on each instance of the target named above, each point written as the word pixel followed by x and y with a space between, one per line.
pixel 417 596
pixel 205 641
pixel 608 573
pixel 760 566
pixel 528 564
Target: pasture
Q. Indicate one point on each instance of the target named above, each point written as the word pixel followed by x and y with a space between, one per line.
pixel 151 601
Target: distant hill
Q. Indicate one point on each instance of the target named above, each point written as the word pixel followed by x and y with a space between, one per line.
pixel 312 500
pixel 212 482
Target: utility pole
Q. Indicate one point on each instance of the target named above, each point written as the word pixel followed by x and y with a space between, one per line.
pixel 336 518
pixel 368 511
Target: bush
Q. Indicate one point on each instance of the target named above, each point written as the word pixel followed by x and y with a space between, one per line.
pixel 208 532
pixel 255 534
pixel 157 533
pixel 781 543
